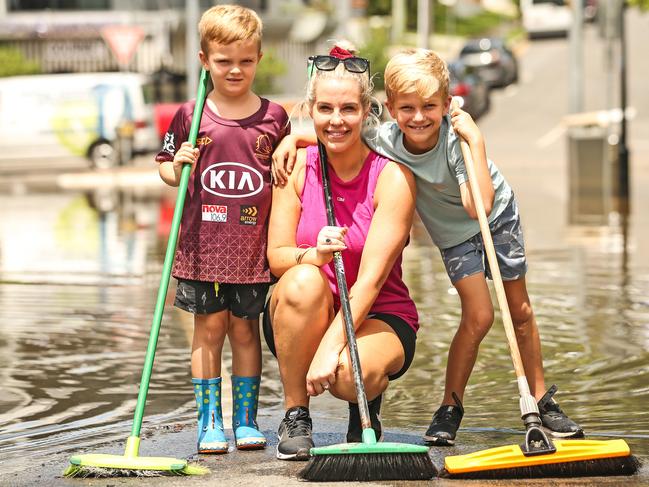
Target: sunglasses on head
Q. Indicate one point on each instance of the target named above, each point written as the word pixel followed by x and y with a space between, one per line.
pixel 329 63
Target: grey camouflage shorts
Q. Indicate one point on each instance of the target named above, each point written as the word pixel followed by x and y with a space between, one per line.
pixel 469 258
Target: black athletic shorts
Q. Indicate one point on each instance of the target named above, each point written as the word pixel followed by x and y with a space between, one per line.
pixel 405 333
pixel 245 301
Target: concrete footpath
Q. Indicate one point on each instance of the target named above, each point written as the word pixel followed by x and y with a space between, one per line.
pixel 261 468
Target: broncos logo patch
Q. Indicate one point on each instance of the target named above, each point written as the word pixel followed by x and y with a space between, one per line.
pixel 263 147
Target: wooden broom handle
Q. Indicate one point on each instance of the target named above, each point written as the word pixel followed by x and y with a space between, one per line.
pixel 491 254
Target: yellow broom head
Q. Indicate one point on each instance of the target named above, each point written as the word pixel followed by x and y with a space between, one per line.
pixel 572 458
pixel 102 465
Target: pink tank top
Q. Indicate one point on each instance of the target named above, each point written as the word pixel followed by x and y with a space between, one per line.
pixel 353 203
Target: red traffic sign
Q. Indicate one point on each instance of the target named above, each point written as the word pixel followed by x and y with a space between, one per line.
pixel 123 41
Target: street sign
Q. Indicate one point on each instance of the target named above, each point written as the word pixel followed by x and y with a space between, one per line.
pixel 123 41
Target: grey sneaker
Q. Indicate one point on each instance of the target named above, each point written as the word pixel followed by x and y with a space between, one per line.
pixel 445 423
pixel 554 420
pixel 294 435
pixel 354 429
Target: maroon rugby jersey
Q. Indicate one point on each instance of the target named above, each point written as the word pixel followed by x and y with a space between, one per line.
pixel 224 228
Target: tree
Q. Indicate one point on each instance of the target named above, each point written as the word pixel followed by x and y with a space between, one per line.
pixel 642 4
pixel 13 63
pixel 268 70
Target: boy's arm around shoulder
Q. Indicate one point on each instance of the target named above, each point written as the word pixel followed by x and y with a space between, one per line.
pixel 467 129
pixel 284 156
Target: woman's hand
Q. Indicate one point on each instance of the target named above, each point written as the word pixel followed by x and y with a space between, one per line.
pixel 186 154
pixel 284 159
pixel 322 372
pixel 330 240
pixel 464 125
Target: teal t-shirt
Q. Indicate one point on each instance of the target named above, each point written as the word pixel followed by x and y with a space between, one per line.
pixel 439 174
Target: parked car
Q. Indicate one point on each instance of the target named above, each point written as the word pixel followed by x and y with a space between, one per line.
pixel 492 60
pixel 546 18
pixel 473 90
pixel 73 117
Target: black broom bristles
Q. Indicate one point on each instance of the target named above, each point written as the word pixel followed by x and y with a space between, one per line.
pixel 601 467
pixel 370 466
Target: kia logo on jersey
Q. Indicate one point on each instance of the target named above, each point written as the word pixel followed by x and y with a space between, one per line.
pixel 232 180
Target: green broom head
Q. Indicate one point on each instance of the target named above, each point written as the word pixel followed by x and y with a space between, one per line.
pixel 129 464
pixel 573 458
pixel 369 460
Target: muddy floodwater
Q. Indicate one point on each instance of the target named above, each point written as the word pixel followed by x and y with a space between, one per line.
pixel 78 276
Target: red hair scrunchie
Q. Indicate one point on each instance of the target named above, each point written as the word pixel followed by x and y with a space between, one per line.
pixel 340 53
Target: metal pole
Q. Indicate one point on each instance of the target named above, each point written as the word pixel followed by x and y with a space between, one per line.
pixel 398 20
pixel 191 45
pixel 623 151
pixel 576 99
pixel 343 14
pixel 423 23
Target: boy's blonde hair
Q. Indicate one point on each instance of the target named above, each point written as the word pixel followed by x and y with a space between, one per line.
pixel 226 24
pixel 419 71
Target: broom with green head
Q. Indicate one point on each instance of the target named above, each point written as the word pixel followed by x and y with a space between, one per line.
pixel 369 460
pixel 538 456
pixel 131 464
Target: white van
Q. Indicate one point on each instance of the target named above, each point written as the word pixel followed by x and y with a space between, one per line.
pixel 72 118
pixel 545 18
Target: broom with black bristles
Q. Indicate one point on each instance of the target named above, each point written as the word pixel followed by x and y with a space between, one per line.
pixel 369 460
pixel 538 456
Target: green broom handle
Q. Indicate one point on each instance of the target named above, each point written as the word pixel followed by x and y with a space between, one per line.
pixel 344 298
pixel 169 258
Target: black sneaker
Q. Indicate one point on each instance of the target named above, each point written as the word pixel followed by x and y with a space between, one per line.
pixel 445 424
pixel 554 420
pixel 294 435
pixel 355 431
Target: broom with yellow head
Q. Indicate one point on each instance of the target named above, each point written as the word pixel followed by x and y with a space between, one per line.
pixel 131 464
pixel 537 456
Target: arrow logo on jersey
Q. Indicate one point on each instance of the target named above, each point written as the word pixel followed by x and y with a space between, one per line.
pixel 248 215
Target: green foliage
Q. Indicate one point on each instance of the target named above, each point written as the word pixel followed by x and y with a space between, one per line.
pixel 376 51
pixel 475 25
pixel 642 4
pixel 270 68
pixel 480 24
pixel 379 7
pixel 13 63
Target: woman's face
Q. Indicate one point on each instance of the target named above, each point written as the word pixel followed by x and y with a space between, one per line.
pixel 337 113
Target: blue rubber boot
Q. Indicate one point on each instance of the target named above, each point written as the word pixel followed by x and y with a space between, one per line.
pixel 211 437
pixel 245 398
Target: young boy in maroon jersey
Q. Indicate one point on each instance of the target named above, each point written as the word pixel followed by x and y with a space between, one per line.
pixel 221 264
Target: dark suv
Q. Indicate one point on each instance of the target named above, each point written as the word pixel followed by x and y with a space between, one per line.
pixel 492 59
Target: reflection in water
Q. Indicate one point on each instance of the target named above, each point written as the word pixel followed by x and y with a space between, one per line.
pixel 593 316
pixel 71 353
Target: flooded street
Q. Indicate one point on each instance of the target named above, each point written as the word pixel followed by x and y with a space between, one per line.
pixel 79 275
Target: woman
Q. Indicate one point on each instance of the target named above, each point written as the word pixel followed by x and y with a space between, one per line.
pixel 373 202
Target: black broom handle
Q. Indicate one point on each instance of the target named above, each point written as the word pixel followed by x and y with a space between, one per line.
pixel 344 298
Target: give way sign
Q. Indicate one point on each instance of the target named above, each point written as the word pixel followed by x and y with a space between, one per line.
pixel 123 41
